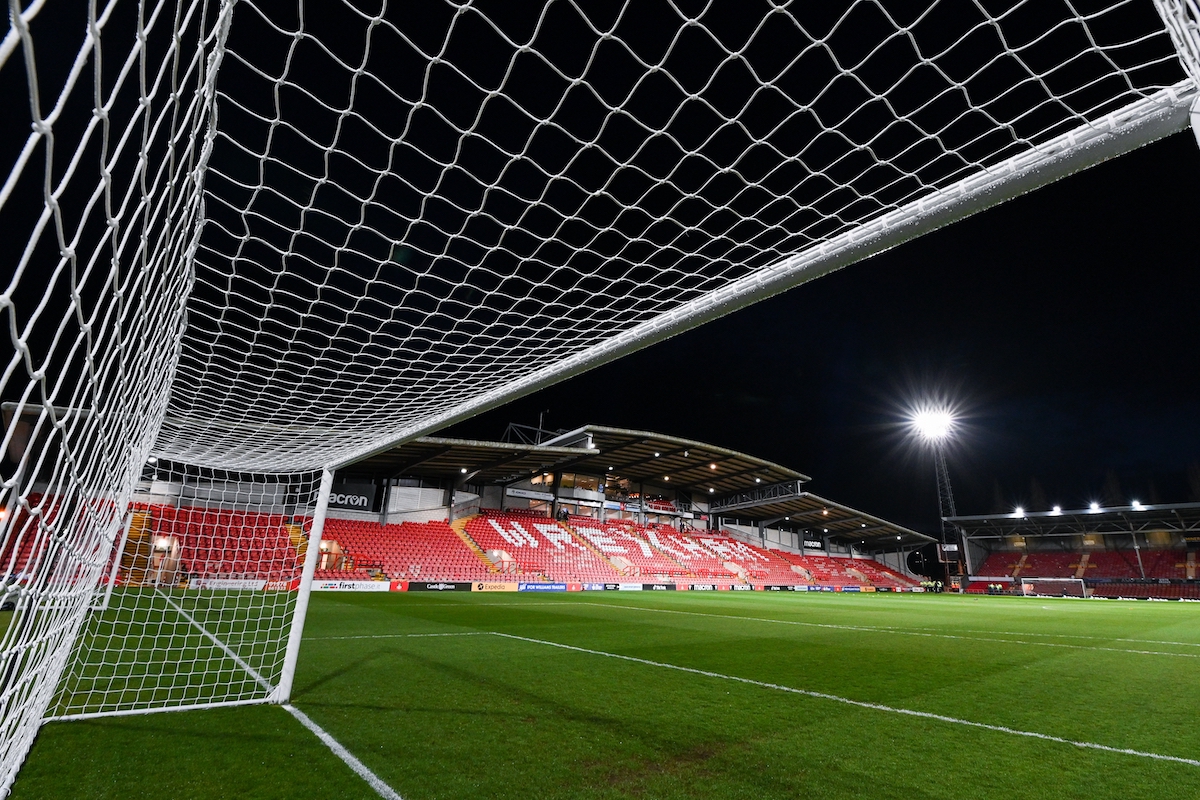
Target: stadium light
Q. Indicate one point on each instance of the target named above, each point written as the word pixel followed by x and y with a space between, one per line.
pixel 1137 505
pixel 1056 510
pixel 933 424
pixel 711 490
pixel 656 455
pixel 712 466
pixel 463 470
pixel 758 480
pixel 151 460
pixel 1093 507
pixel 1018 512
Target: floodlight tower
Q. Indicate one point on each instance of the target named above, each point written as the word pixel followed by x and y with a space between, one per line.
pixel 934 427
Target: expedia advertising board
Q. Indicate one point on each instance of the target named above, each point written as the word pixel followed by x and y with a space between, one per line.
pixel 354 496
pixel 484 586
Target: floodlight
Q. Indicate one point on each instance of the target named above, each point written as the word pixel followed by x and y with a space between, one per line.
pixel 1093 507
pixel 1137 506
pixel 933 424
pixel 463 470
pixel 1018 512
pixel 151 460
pixel 758 480
pixel 712 466
pixel 656 455
pixel 711 490
pixel 1056 510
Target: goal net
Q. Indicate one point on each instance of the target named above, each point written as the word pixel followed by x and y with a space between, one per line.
pixel 196 605
pixel 1053 587
pixel 257 242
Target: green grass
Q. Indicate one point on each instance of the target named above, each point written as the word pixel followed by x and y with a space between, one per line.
pixel 487 716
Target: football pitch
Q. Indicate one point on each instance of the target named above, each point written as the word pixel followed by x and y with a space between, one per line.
pixel 665 694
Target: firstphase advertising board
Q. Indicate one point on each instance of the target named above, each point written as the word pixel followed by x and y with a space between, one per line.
pixel 351 586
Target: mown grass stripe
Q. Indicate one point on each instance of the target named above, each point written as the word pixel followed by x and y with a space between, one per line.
pixel 862 703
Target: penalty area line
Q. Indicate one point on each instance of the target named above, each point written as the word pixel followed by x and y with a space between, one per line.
pixel 394 636
pixel 862 703
pixel 360 769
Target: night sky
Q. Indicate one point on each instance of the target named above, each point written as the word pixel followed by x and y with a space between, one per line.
pixel 1063 325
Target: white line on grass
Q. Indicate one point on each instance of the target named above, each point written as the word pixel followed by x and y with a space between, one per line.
pixel 394 636
pixel 360 769
pixel 861 703
pixel 1056 636
pixel 895 631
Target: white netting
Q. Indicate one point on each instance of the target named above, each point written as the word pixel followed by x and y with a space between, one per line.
pixel 98 210
pixel 1053 587
pixel 410 211
pixel 265 238
pixel 197 607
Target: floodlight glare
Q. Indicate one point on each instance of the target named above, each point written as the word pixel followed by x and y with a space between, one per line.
pixel 1093 507
pixel 932 424
pixel 1057 509
pixel 1018 512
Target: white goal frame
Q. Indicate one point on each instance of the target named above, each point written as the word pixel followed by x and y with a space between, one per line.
pixel 261 243
pixel 1028 586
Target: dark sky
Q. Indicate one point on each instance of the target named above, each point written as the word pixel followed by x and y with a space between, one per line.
pixel 1064 324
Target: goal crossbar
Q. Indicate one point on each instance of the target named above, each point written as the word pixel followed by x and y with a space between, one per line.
pixel 1136 125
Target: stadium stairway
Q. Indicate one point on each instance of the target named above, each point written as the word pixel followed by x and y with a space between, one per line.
pixel 459 526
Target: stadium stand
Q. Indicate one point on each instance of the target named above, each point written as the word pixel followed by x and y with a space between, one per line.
pixel 879 575
pixel 343 575
pixel 408 551
pixel 219 543
pixel 627 548
pixel 1050 565
pixel 700 561
pixel 539 547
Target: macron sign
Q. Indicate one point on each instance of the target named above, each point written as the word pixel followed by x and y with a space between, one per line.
pixel 357 496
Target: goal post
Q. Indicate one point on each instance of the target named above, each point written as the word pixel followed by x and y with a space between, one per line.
pixel 1053 587
pixel 259 241
pixel 208 594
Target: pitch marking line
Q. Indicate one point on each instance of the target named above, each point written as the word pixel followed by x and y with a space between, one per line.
pixel 861 703
pixel 895 631
pixel 360 769
pixel 395 636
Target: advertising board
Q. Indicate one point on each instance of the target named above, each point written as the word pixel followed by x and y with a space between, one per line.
pixel 356 496
pixel 351 586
